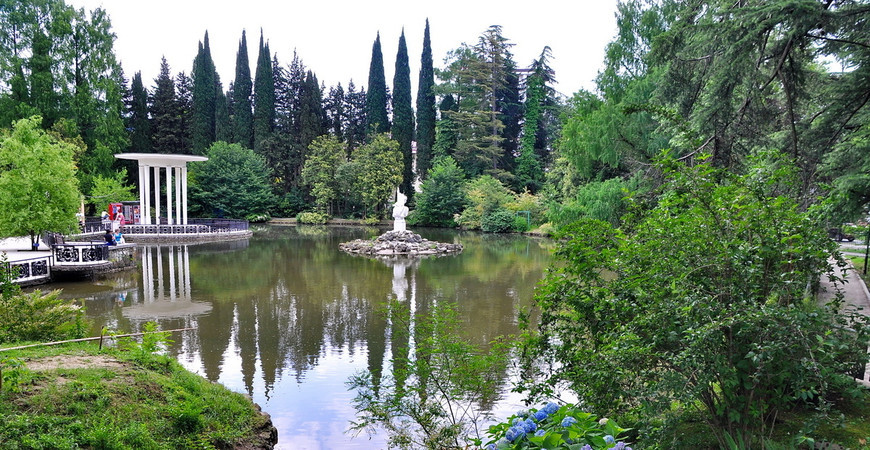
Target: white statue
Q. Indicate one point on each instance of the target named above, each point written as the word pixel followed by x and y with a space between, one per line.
pixel 400 211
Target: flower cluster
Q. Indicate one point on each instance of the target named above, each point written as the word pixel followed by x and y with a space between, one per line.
pixel 552 426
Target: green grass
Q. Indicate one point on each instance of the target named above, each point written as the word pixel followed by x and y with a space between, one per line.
pixel 145 402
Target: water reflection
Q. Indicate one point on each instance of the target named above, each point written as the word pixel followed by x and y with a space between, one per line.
pixel 286 317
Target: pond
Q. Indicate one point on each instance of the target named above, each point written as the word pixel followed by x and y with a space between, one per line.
pixel 287 318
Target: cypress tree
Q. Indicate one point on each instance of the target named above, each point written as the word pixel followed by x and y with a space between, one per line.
pixel 204 99
pixel 264 97
pixel 425 107
pixel 243 127
pixel 140 128
pixel 377 120
pixel 166 132
pixel 223 125
pixel 403 116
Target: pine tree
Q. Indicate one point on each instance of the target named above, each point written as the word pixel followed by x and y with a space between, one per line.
pixel 243 129
pixel 166 132
pixel 425 107
pixel 403 116
pixel 204 99
pixel 377 119
pixel 264 97
pixel 139 126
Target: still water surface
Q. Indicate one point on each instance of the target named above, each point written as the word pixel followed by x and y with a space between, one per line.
pixel 287 318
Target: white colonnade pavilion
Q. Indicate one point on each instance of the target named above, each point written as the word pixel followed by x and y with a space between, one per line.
pixel 174 169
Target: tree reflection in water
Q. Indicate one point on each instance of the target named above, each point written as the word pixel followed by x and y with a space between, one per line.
pixel 287 318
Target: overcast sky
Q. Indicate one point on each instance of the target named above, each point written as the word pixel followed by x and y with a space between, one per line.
pixel 334 37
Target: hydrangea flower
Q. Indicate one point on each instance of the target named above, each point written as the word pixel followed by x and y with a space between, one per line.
pixel 529 426
pixel 550 408
pixel 515 433
pixel 522 413
pixel 603 421
pixel 568 421
pixel 517 420
pixel 540 432
pixel 540 415
pixel 586 447
pixel 609 439
pixel 620 446
pixel 490 447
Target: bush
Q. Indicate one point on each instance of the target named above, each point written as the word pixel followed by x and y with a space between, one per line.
pixel 312 218
pixel 485 196
pixel 35 316
pixel 439 199
pixel 713 307
pixel 555 427
pixel 501 221
pixel 521 224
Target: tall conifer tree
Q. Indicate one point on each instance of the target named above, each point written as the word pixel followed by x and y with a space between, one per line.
pixel 184 95
pixel 243 127
pixel 204 99
pixel 264 97
pixel 377 119
pixel 425 107
pixel 166 132
pixel 140 128
pixel 403 116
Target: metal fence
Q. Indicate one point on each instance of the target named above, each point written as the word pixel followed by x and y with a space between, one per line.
pixel 25 270
pixel 74 253
pixel 194 226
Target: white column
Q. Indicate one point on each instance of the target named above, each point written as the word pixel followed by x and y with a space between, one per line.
pixel 178 196
pixel 157 195
pixel 186 267
pixel 184 192
pixel 146 180
pixel 169 195
pixel 141 193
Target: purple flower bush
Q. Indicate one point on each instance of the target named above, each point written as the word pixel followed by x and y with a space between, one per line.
pixel 555 427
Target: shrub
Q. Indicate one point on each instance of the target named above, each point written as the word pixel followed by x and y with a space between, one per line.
pixel 35 316
pixel 485 196
pixel 713 307
pixel 553 426
pixel 312 218
pixel 521 224
pixel 500 221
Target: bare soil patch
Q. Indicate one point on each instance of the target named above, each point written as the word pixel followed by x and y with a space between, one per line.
pixel 75 362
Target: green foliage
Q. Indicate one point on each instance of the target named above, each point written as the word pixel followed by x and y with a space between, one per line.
pixel 426 117
pixel 126 405
pixel 706 300
pixel 34 316
pixel 485 195
pixel 528 202
pixel 312 218
pixel 377 119
pixel 234 180
pixel 555 427
pixel 433 399
pixel 378 170
pixel 110 189
pixel 604 200
pixel 402 129
pixel 498 221
pixel 439 200
pixel 325 155
pixel 38 187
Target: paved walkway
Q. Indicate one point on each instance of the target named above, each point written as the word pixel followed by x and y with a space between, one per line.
pixel 18 248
